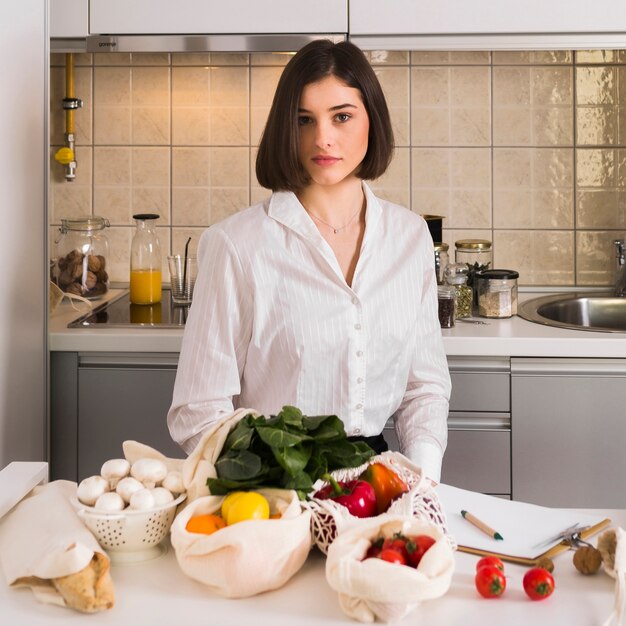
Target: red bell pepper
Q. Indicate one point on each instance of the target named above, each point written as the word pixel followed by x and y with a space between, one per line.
pixel 386 483
pixel 357 496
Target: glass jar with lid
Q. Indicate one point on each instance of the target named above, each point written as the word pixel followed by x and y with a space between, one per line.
pixel 497 292
pixel 476 253
pixel 441 261
pixel 446 297
pixel 81 256
pixel 456 277
pixel 145 261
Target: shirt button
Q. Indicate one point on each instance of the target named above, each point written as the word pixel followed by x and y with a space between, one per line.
pixel 359 406
pixel 357 431
pixel 357 326
pixel 355 300
pixel 359 380
pixel 359 352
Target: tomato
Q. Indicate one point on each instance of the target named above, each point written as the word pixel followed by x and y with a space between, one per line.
pixel 490 560
pixel 490 581
pixel 417 547
pixel 247 506
pixel 538 583
pixel 399 544
pixel 392 556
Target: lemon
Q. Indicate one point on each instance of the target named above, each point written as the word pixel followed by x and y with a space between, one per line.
pixel 247 506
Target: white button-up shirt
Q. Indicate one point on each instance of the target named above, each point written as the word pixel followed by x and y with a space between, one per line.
pixel 273 323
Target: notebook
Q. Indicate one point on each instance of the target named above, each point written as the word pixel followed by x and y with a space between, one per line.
pixel 528 531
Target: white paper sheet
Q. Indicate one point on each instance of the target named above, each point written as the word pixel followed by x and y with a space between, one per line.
pixel 526 528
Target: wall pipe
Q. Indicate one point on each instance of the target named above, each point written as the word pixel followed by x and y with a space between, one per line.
pixel 66 155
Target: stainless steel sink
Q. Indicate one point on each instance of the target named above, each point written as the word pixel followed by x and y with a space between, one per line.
pixel 579 311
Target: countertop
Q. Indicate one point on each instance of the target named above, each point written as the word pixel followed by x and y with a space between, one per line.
pixel 498 338
pixel 157 592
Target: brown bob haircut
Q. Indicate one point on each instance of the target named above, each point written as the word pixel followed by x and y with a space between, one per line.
pixel 278 164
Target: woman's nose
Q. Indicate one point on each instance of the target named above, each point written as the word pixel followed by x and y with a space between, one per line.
pixel 324 136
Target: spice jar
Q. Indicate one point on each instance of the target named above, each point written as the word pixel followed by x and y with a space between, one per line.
pixel 456 277
pixel 447 303
pixel 81 255
pixel 441 261
pixel 497 292
pixel 476 253
pixel 145 261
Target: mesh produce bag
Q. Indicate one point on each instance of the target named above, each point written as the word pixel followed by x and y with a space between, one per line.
pixel 329 518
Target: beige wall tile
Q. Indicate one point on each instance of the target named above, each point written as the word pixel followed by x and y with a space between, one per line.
pixel 191 167
pixel 229 126
pixel 388 57
pixel 150 86
pixel 542 257
pixel 450 58
pixel 395 84
pixel 263 81
pixel 230 58
pixel 596 167
pixel 180 235
pixel 150 58
pixel 112 166
pixel 151 126
pixel 229 87
pixel 191 86
pixel 229 167
pixel 270 58
pixel 596 126
pixel 114 203
pixel 68 200
pixel 191 206
pixel 113 126
pixel 599 56
pixel 191 58
pixel 595 257
pixel 394 185
pixel 112 86
pixel 601 208
pixel 595 85
pixel 118 264
pixel 191 126
pixel 227 201
pixel 531 57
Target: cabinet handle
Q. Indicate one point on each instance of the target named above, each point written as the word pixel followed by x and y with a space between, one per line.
pixel 472 421
pixel 127 361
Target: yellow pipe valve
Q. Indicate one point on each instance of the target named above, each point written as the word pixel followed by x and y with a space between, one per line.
pixel 64 155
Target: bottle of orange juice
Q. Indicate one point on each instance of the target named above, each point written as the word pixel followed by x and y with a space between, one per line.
pixel 145 261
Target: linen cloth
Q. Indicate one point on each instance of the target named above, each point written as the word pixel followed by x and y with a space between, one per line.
pixel 373 589
pixel 42 538
pixel 273 323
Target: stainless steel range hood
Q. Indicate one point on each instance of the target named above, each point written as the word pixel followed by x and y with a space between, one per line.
pixel 205 43
pixel 213 25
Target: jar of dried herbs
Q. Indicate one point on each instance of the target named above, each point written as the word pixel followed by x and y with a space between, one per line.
pixel 456 277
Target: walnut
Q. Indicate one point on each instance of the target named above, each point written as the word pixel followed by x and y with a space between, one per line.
pixel 607 545
pixel 587 560
pixel 65 278
pixel 76 268
pixel 102 260
pixel 74 288
pixel 90 280
pixel 94 263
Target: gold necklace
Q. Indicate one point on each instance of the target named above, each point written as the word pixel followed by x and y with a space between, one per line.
pixel 335 230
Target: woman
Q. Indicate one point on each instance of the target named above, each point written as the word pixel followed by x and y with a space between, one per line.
pixel 323 296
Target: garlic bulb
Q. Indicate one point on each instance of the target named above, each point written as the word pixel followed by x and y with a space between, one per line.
pixel 174 482
pixel 90 489
pixel 161 496
pixel 114 470
pixel 110 502
pixel 142 500
pixel 150 472
pixel 127 487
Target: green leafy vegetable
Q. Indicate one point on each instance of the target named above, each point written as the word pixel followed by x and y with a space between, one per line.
pixel 289 450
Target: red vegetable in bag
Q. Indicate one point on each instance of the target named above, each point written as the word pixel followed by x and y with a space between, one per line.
pixel 357 496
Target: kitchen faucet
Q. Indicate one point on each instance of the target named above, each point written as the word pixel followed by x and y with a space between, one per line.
pixel 620 268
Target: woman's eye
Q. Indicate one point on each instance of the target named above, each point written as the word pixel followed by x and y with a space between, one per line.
pixel 343 117
pixel 303 120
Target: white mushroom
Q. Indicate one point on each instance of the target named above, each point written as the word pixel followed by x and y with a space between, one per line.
pixel 127 487
pixel 142 500
pixel 149 471
pixel 114 470
pixel 174 482
pixel 90 489
pixel 161 496
pixel 110 502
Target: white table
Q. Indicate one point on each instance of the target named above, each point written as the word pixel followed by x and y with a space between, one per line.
pixel 156 593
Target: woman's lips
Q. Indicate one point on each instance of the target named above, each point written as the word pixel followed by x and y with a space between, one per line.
pixel 323 160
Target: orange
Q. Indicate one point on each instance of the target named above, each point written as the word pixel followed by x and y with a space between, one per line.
pixel 205 524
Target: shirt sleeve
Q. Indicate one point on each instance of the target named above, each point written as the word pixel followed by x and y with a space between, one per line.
pixel 215 341
pixel 421 419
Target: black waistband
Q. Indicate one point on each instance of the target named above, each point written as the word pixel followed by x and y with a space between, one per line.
pixel 376 442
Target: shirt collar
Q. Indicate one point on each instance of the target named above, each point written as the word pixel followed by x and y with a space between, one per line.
pixel 285 208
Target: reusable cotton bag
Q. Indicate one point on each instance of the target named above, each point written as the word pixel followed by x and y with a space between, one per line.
pixel 249 557
pixel 375 589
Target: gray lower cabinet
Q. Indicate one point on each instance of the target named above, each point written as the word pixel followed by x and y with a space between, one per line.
pixel 569 432
pixel 99 400
pixel 478 456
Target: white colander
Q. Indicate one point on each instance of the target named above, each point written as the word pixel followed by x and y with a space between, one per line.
pixel 129 535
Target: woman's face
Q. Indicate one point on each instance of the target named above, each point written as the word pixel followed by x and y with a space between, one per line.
pixel 334 128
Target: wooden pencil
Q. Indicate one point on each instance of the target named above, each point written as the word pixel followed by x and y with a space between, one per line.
pixel 472 519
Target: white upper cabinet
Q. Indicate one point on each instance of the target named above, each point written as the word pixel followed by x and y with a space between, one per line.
pixel 487 24
pixel 69 18
pixel 223 17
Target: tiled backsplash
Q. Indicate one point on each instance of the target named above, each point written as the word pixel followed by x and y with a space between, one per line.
pixel 527 149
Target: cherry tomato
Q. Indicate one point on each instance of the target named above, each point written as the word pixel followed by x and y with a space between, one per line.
pixel 392 556
pixel 538 583
pixel 490 581
pixel 399 544
pixel 490 560
pixel 417 547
